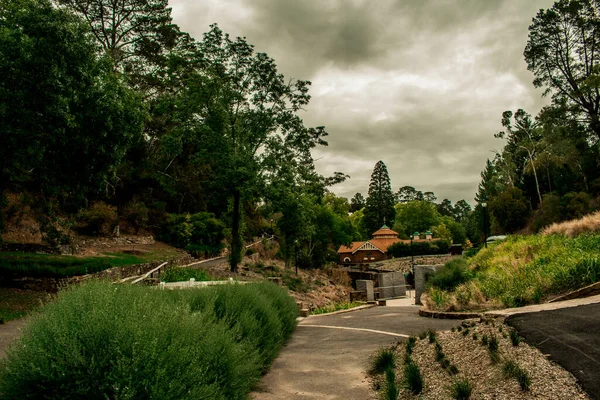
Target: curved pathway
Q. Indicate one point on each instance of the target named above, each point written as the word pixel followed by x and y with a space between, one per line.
pixel 328 355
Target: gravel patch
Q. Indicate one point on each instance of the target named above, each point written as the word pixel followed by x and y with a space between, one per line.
pixel 472 358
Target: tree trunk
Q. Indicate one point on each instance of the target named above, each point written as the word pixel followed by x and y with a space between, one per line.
pixel 236 240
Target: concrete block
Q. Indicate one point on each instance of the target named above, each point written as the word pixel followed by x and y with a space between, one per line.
pixel 305 312
pixel 367 287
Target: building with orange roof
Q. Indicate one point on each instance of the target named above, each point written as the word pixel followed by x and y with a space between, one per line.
pixel 375 249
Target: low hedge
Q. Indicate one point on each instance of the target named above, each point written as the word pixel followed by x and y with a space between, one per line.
pixel 101 341
pixel 421 248
pixel 52 268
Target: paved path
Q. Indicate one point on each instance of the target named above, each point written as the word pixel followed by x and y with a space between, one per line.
pixel 328 355
pixel 9 332
pixel 571 336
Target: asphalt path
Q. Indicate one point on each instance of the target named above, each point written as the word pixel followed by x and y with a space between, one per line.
pixel 571 338
pixel 327 357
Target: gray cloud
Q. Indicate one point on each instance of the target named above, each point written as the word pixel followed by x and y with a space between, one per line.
pixel 419 84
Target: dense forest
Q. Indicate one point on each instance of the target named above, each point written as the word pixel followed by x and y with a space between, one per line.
pixel 112 117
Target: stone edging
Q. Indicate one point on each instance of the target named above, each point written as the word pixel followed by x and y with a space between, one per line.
pixel 345 311
pixel 447 315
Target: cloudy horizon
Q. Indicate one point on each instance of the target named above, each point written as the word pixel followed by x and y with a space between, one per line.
pixel 420 85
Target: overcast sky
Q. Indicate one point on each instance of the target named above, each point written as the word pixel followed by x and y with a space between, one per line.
pixel 419 84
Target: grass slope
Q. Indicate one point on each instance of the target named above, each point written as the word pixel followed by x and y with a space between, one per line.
pixel 524 270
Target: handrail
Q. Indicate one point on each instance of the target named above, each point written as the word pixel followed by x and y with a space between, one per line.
pixel 149 273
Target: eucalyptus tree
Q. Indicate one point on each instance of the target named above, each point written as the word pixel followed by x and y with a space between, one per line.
pixel 563 51
pixel 260 130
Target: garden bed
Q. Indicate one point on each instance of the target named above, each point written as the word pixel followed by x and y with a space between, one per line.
pixel 487 360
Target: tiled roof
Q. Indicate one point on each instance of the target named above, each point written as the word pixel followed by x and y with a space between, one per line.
pixel 351 249
pixel 383 244
pixel 385 231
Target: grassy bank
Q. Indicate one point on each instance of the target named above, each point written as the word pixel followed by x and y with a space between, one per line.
pixel 336 307
pixel 521 270
pixel 105 341
pixel 57 266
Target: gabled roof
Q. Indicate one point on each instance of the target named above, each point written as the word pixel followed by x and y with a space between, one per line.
pixel 350 249
pixel 385 231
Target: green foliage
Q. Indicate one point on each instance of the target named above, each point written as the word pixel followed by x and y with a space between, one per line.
pixel 402 249
pixel 199 233
pixel 58 268
pixel 417 215
pixel 73 114
pixel 493 344
pixel 413 379
pixel 511 369
pixel 510 210
pixel 461 389
pixel 137 215
pixel 515 339
pixel 485 340
pixel 99 219
pixel 454 273
pixel 452 369
pixel 391 389
pixel 523 269
pixel 384 359
pixel 211 343
pixel 410 345
pixel 175 274
pixel 379 208
pixel 432 335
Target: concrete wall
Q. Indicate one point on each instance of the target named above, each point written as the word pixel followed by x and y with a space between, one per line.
pixel 422 272
pixel 391 284
pixel 366 286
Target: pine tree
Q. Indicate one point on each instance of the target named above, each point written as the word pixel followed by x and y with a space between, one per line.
pixel 380 201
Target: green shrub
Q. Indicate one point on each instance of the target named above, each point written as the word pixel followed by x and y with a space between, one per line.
pixel 111 341
pixel 383 360
pixel 493 344
pixel 454 273
pixel 515 339
pixel 461 390
pixel 176 274
pixel 432 335
pixel 432 247
pixel 484 340
pixel 200 233
pixel 413 379
pixel 410 344
pixel 137 215
pixel 510 369
pixel 391 389
pixel 99 219
pixel 494 356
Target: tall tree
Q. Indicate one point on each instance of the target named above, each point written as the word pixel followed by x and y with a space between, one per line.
pixel 522 134
pixel 66 118
pixel 563 50
pixel 406 194
pixel 380 201
pixel 357 202
pixel 137 34
pixel 261 131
